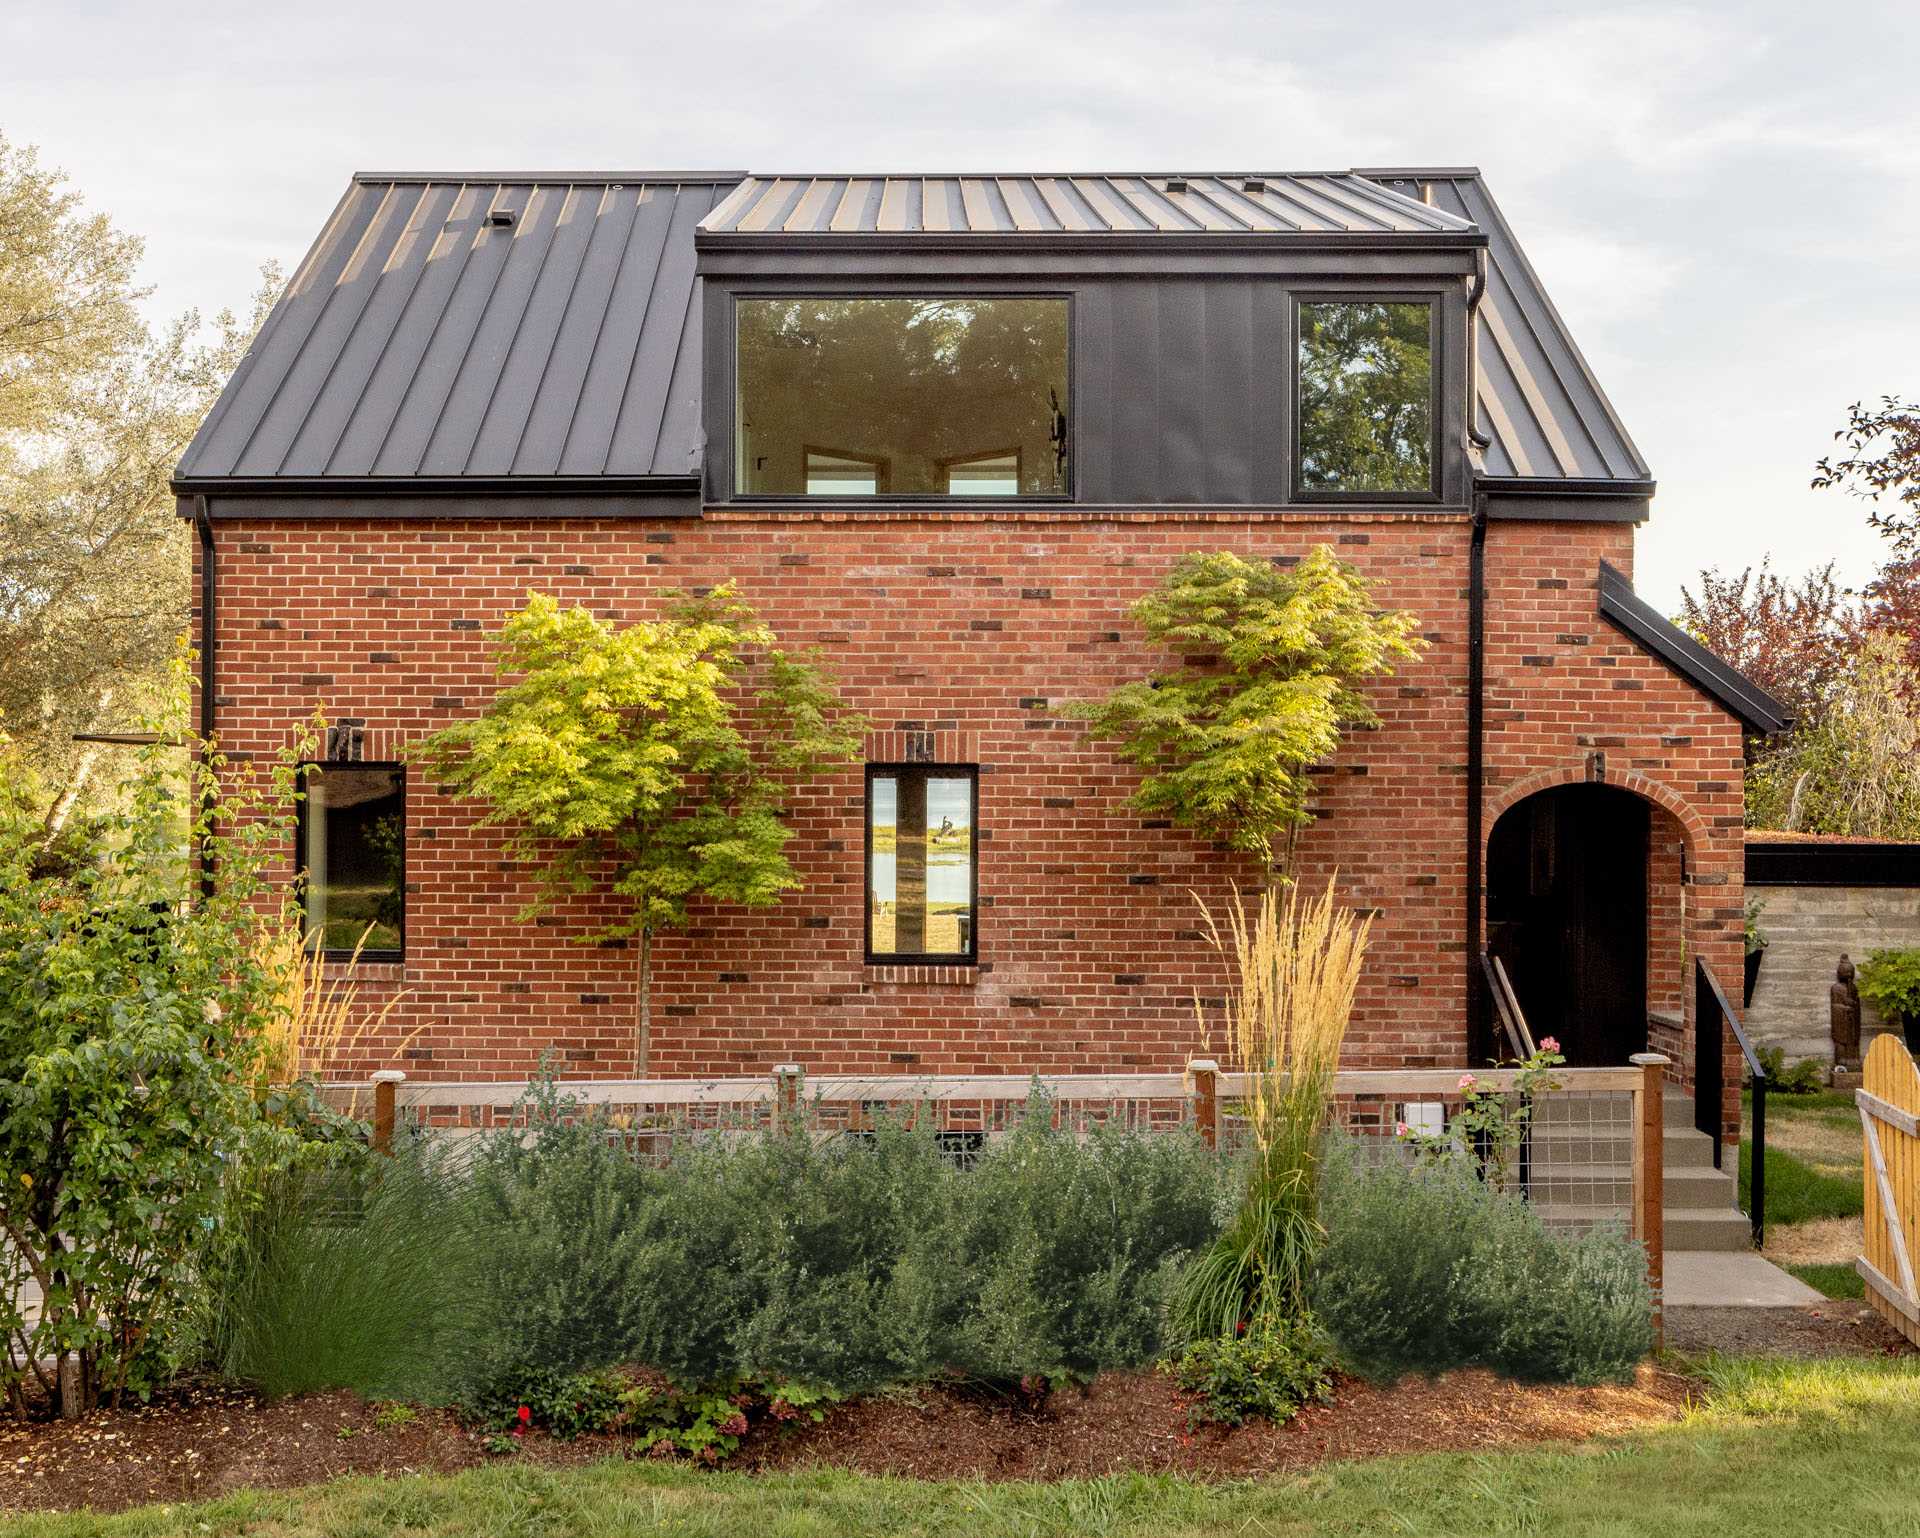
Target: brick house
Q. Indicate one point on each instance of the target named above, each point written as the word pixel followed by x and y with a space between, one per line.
pixel 948 428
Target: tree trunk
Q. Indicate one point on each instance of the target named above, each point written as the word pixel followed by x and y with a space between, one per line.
pixel 73 1386
pixel 642 1047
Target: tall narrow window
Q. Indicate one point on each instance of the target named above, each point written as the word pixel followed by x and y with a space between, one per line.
pixel 947 397
pixel 922 862
pixel 1366 393
pixel 352 859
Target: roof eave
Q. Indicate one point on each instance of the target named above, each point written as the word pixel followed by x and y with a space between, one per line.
pixel 378 486
pixel 1655 634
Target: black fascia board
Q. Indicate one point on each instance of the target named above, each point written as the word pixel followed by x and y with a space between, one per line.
pixel 436 486
pixel 1796 862
pixel 1566 499
pixel 1655 634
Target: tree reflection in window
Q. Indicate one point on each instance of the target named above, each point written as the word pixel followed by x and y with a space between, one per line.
pixel 902 397
pixel 1366 396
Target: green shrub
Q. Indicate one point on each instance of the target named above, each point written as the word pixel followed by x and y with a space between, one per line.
pixel 1806 1077
pixel 1889 980
pixel 1270 1369
pixel 349 1271
pixel 564 1404
pixel 848 1262
pixel 1426 1269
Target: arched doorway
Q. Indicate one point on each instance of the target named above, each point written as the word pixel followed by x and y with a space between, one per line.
pixel 1567 917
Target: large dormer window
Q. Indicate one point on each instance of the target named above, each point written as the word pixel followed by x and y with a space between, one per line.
pixel 1365 384
pixel 928 397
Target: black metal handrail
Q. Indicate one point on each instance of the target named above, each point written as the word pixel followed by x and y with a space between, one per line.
pixel 1709 1085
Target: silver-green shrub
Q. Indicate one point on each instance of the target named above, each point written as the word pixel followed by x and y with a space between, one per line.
pixel 847 1261
pixel 1425 1268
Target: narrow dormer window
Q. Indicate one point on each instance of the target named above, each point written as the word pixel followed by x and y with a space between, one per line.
pixel 1365 391
pixel 964 396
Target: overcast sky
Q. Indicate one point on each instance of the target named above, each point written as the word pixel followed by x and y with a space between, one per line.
pixel 1724 201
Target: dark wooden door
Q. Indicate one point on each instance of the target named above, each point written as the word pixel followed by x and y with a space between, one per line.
pixel 1567 914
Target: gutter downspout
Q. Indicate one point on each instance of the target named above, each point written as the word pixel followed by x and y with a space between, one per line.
pixel 1478 1032
pixel 209 592
pixel 1479 1028
pixel 1475 438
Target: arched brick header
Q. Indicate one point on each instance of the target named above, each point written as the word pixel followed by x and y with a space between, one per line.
pixel 1577 774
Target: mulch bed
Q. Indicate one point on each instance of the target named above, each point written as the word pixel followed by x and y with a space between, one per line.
pixel 1137 1421
pixel 200 1442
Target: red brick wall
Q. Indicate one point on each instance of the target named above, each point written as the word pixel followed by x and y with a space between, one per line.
pixel 1570 698
pixel 973 625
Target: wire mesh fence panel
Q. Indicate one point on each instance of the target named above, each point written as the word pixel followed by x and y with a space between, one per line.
pixel 1569 1148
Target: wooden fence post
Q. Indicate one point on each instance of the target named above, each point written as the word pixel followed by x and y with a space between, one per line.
pixel 786 1096
pixel 1203 1075
pixel 1649 1177
pixel 385 1084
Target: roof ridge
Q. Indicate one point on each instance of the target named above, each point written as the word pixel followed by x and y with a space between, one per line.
pixel 578 178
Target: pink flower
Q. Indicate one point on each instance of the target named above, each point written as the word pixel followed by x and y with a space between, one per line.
pixel 1467 1081
pixel 1401 1129
pixel 1548 1044
pixel 735 1425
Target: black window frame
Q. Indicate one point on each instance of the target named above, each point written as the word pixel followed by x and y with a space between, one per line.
pixel 926 771
pixel 1067 494
pixel 300 822
pixel 1299 491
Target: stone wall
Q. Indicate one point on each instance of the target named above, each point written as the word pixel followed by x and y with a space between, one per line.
pixel 1807 927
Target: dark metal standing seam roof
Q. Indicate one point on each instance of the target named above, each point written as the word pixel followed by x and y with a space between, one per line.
pixel 483 328
pixel 1537 399
pixel 1338 203
pixel 1637 619
pixel 535 331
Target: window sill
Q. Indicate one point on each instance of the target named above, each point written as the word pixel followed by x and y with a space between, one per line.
pixel 952 976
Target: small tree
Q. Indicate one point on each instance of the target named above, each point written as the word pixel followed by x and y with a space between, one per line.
pixel 131 1008
pixel 1270 661
pixel 655 759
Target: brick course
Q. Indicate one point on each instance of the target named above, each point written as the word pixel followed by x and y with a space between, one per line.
pixel 972 626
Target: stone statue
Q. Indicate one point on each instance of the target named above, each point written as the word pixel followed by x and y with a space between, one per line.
pixel 1844 1013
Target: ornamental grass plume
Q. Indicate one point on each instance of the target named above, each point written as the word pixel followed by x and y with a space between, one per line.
pixel 316 1022
pixel 1297 964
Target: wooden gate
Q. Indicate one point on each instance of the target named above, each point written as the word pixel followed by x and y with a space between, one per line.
pixel 1890 1128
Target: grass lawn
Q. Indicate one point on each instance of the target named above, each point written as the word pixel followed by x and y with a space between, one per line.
pixel 1836 1279
pixel 1815 1190
pixel 1781 1447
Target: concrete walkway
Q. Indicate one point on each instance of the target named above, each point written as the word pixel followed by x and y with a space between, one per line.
pixel 1731 1279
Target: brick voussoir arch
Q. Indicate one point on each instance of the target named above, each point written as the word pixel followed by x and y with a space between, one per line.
pixel 1578 774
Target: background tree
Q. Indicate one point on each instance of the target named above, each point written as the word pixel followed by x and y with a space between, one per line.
pixel 95 409
pixel 654 762
pixel 1855 769
pixel 1881 459
pixel 1796 639
pixel 1269 666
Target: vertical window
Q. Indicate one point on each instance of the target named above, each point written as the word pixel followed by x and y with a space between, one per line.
pixel 922 862
pixel 1365 388
pixel 352 858
pixel 963 396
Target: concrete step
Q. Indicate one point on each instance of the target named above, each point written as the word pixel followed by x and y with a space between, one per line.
pixel 1707 1228
pixel 1683 1148
pixel 1677 1108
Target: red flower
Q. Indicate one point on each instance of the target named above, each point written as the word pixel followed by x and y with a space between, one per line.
pixel 524 1416
pixel 735 1425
